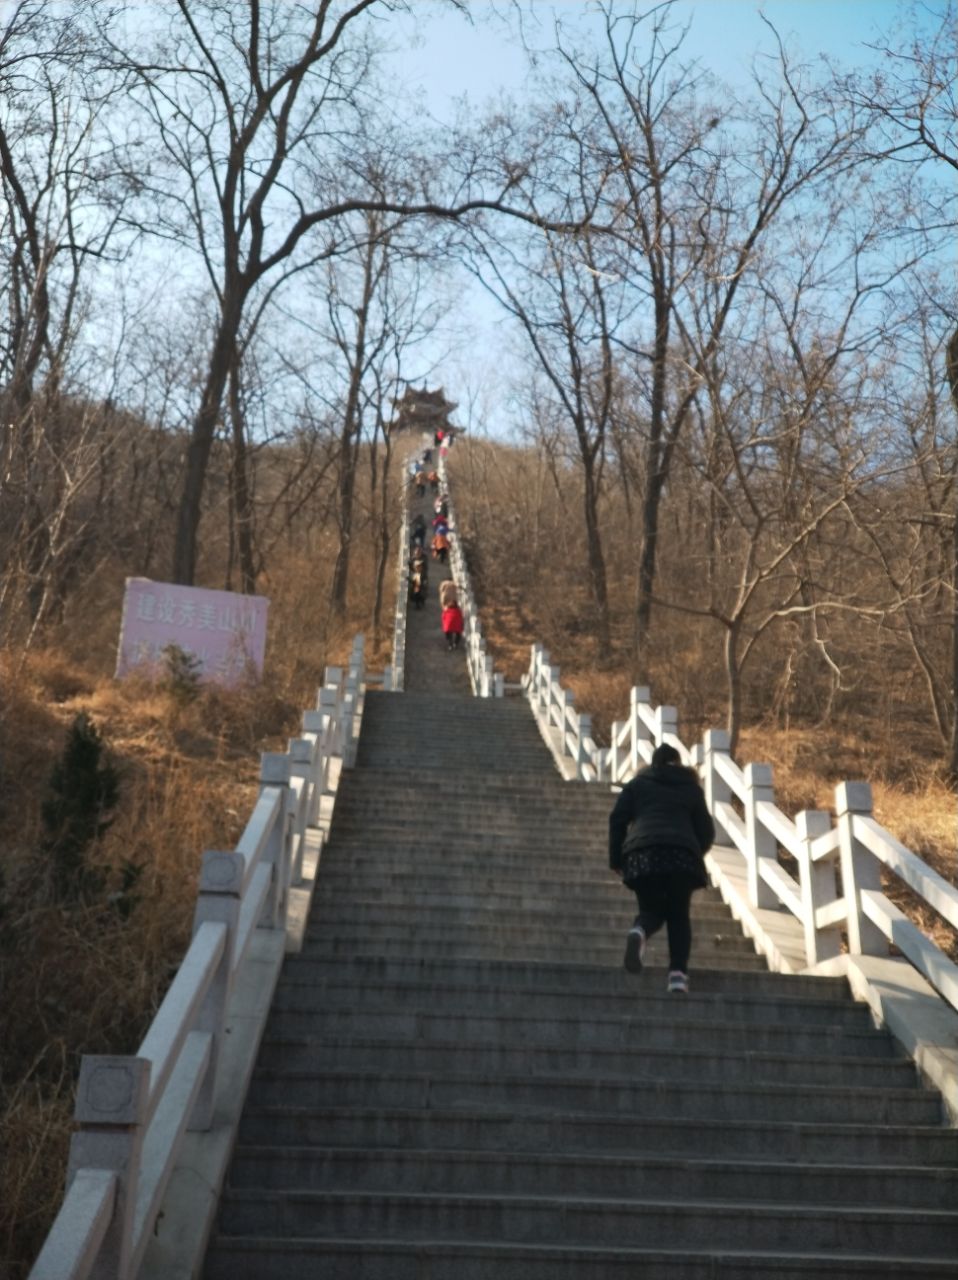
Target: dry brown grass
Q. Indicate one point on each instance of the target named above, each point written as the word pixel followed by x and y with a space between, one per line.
pixel 84 978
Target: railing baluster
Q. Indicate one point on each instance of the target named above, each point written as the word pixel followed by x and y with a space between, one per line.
pixel 818 887
pixel 111 1105
pixel 221 889
pixel 860 869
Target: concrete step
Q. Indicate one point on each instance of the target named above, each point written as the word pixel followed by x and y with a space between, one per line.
pixel 548 794
pixel 653 1223
pixel 642 1176
pixel 501 985
pixel 397 887
pixel 250 1258
pixel 678 1137
pixel 612 1095
pixel 343 939
pixel 457 1073
pixel 366 1051
pixel 256 1258
pixel 527 915
pixel 562 1022
pixel 551 794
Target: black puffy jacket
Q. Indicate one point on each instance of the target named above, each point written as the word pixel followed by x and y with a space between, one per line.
pixel 665 806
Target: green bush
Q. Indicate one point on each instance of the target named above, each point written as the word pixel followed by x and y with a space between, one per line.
pixel 182 680
pixel 83 793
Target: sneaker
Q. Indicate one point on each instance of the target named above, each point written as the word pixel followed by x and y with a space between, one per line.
pixel 678 983
pixel 635 949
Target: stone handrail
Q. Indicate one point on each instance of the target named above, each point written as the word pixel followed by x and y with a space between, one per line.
pixel 133 1112
pixel 486 681
pixel 836 885
pixel 393 679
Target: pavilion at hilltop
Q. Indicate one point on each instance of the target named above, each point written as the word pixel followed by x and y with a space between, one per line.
pixel 423 410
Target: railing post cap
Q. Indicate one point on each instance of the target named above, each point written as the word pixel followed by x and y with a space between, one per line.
pixel 717 740
pixel 810 823
pixel 112 1090
pixel 274 768
pixel 585 720
pixel 640 693
pixel 853 797
pixel 313 721
pixel 758 775
pixel 301 750
pixel 222 872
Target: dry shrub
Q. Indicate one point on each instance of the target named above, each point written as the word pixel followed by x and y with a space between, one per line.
pixel 35 1125
pixel 87 977
pixel 604 695
pixel 54 677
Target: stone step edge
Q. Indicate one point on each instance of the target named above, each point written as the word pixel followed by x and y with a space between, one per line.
pixel 710 999
pixel 650 1204
pixel 507 1080
pixel 549 1117
pixel 467 1155
pixel 758 1057
pixel 767 1265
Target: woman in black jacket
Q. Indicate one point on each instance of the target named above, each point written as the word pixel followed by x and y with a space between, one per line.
pixel 659 831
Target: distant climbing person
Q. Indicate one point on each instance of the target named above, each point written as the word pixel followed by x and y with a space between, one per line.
pixel 452 625
pixel 659 831
pixel 440 546
pixel 418 589
pixel 447 593
pixel 419 530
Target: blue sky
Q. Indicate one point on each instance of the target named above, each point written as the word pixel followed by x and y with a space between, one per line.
pixel 447 56
pixel 442 57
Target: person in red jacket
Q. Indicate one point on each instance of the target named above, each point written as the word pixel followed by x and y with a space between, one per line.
pixel 452 625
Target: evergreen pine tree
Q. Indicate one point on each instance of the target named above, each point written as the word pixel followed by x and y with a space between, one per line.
pixel 83 791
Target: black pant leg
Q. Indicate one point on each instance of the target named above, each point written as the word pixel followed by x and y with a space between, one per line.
pixel 678 920
pixel 653 901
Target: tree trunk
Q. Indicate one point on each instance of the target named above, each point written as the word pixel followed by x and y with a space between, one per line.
pixel 239 483
pixel 651 503
pixel 654 483
pixel 733 678
pixel 600 591
pixel 347 489
pixel 201 441
pixel 951 368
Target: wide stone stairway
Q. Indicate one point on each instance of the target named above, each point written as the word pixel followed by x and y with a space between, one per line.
pixel 458 1079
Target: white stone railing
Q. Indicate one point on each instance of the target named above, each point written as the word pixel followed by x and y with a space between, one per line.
pixel 394 675
pixel 134 1112
pixel 486 681
pixel 836 886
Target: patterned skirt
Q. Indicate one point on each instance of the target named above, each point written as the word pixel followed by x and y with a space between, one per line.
pixel 659 859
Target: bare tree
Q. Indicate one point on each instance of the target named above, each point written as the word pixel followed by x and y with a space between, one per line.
pixel 693 185
pixel 260 117
pixel 59 209
pixel 912 101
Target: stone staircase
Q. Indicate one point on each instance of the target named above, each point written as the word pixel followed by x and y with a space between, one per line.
pixel 459 1081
